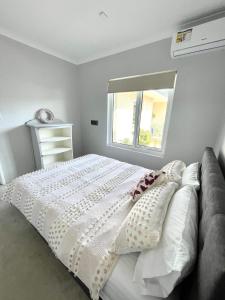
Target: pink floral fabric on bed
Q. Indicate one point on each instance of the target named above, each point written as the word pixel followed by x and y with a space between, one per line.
pixel 149 180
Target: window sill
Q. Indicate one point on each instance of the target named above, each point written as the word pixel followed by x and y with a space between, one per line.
pixel 141 150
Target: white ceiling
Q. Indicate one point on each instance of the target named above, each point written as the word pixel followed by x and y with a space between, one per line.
pixel 72 29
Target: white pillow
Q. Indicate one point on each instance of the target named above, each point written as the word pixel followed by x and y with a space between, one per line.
pixel 142 227
pixel 159 270
pixel 191 175
pixel 174 170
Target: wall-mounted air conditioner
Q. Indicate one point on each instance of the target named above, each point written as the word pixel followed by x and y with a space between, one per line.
pixel 198 39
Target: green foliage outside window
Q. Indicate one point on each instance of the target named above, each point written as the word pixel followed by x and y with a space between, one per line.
pixel 144 137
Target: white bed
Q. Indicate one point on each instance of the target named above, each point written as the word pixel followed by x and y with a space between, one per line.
pixel 78 207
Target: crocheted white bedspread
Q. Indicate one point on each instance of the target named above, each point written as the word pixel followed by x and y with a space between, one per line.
pixel 78 206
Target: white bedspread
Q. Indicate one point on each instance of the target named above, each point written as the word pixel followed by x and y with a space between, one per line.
pixel 77 207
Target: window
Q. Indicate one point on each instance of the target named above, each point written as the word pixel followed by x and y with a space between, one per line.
pixel 138 112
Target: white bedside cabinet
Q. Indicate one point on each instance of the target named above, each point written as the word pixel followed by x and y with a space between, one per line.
pixel 51 142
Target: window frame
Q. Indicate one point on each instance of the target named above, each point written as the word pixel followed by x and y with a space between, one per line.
pixel 152 151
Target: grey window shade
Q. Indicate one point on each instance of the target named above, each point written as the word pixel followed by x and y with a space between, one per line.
pixel 155 81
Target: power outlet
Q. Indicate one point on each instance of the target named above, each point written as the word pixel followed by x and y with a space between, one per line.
pixel 94 122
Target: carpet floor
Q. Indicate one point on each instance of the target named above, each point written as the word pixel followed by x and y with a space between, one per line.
pixel 28 268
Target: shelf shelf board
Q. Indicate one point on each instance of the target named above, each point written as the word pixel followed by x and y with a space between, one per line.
pixel 55 139
pixel 57 124
pixel 54 151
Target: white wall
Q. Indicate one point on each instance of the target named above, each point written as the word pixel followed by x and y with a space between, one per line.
pixel 198 105
pixel 29 80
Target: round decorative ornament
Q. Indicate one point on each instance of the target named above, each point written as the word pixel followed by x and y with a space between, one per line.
pixel 44 115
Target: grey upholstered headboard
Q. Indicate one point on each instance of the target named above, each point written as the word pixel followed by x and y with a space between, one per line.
pixel 207 281
pixel 220 148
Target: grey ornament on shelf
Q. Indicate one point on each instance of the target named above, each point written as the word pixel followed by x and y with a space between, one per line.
pixel 44 115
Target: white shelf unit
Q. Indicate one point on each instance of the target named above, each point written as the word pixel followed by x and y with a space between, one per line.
pixel 51 143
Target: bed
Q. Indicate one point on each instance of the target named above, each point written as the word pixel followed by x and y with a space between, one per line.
pixel 55 200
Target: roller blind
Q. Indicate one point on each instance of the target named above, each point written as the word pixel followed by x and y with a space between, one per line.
pixel 155 81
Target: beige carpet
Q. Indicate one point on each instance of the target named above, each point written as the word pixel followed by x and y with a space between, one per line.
pixel 28 268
